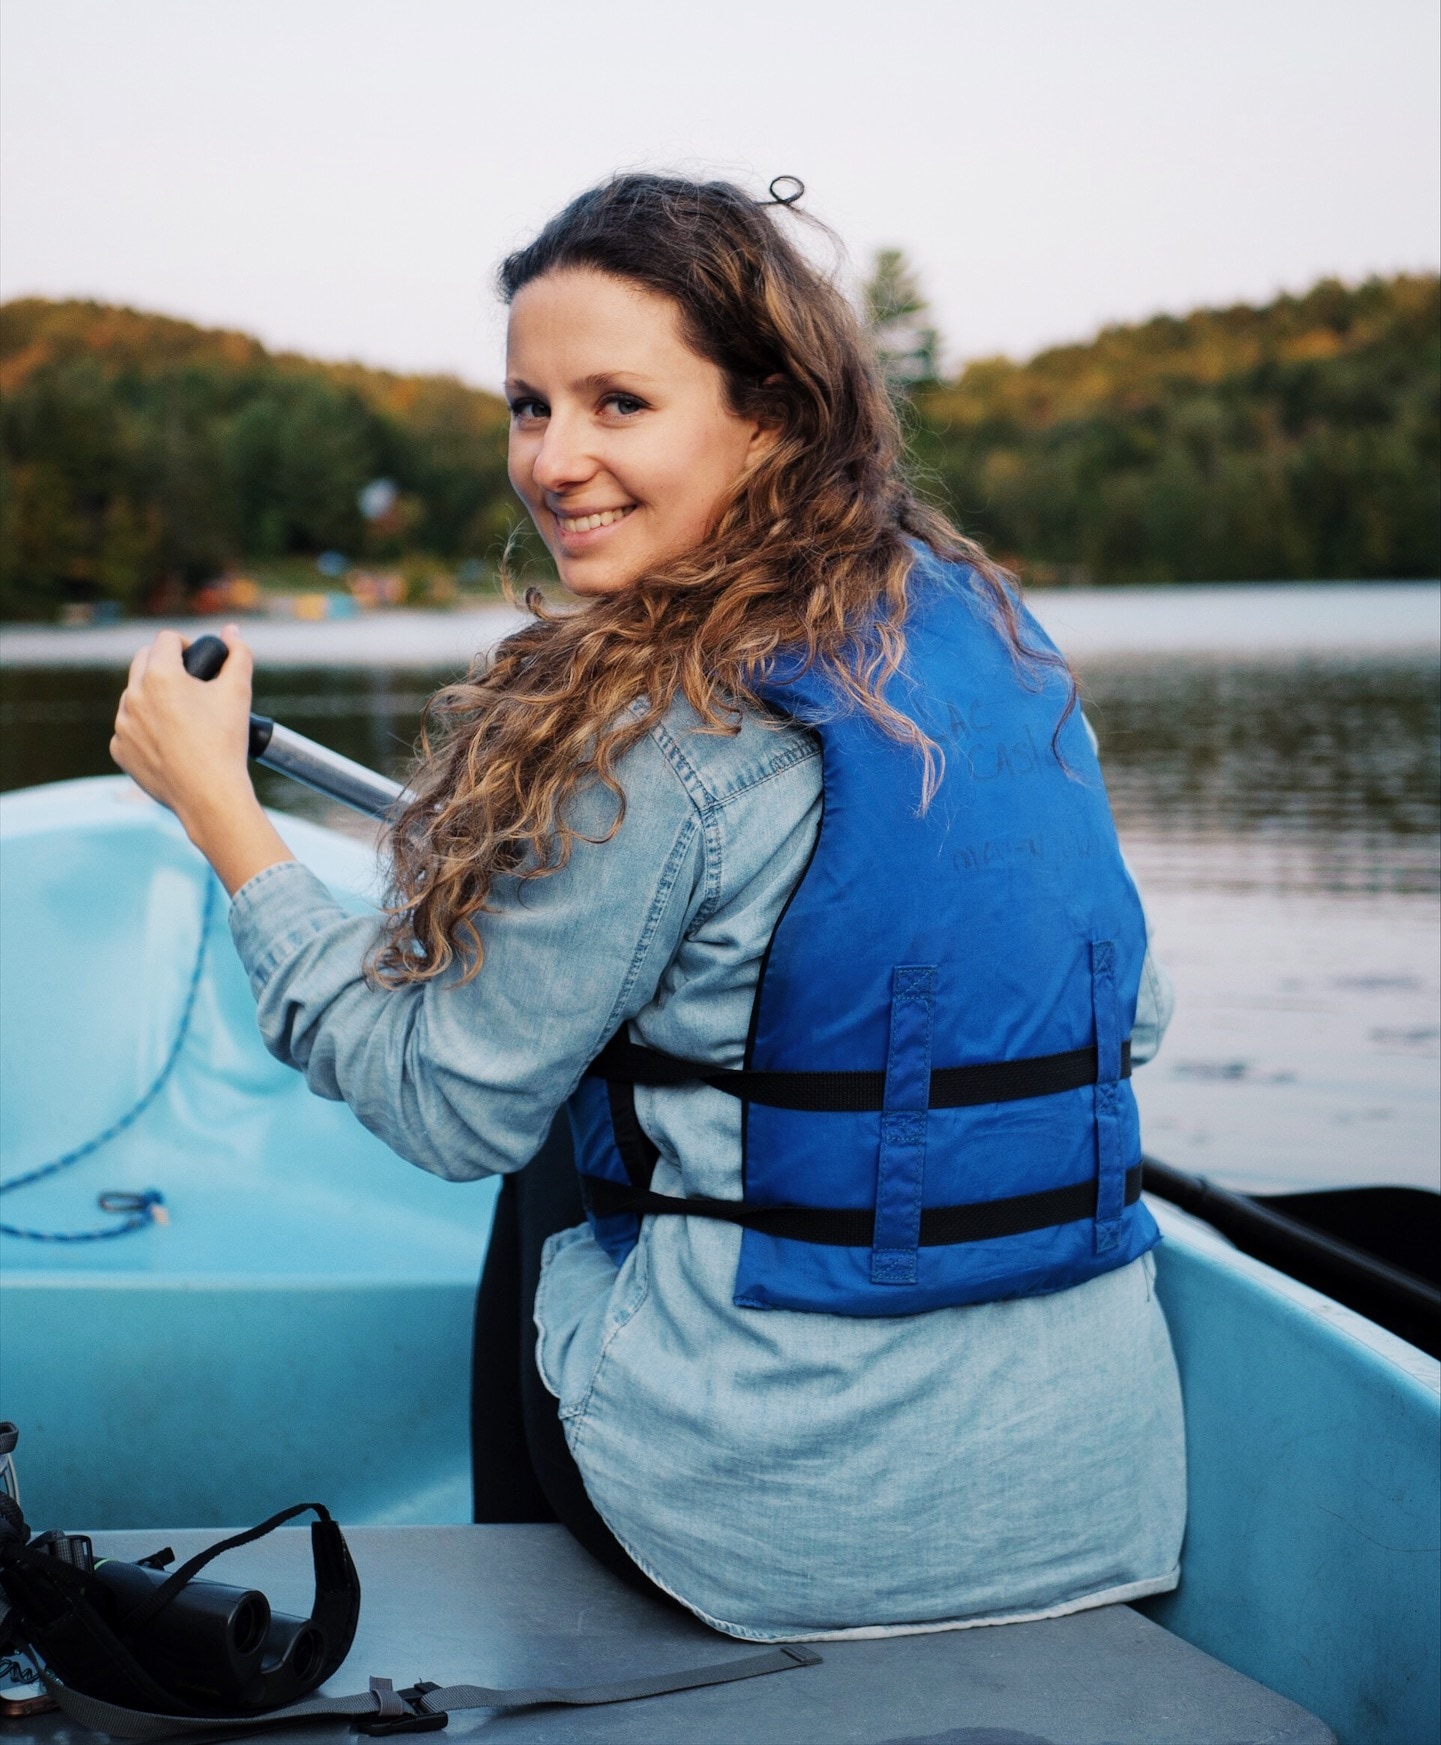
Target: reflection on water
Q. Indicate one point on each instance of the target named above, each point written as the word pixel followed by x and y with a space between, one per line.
pixel 55 724
pixel 1284 820
pixel 1306 775
pixel 1322 774
pixel 1305 1044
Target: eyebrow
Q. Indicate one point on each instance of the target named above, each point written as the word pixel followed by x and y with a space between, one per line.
pixel 612 378
pixel 591 384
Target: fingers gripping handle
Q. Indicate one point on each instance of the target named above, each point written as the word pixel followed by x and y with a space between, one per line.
pixel 203 659
pixel 295 756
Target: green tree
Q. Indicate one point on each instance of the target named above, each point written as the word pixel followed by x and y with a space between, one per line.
pixel 895 309
pixel 140 455
pixel 1297 440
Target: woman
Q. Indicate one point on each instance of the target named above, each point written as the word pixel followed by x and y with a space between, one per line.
pixel 860 1334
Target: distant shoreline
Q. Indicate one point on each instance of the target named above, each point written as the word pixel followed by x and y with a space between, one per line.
pixel 1292 441
pixel 1230 619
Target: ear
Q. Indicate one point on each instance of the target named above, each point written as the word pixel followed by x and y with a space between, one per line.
pixel 763 439
pixel 766 432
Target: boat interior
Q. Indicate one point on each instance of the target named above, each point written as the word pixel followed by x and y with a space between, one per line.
pixel 301 1324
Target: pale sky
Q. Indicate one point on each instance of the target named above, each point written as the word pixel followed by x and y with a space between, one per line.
pixel 340 177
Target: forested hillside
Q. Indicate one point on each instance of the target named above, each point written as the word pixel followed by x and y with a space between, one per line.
pixel 1296 441
pixel 141 456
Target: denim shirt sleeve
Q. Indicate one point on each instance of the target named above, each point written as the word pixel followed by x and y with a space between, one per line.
pixel 1154 1005
pixel 1156 1001
pixel 463 1079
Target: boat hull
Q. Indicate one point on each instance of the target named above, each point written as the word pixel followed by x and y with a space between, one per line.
pixel 301 1326
pixel 1314 1520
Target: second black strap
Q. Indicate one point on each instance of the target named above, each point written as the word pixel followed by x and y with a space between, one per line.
pixel 842 1227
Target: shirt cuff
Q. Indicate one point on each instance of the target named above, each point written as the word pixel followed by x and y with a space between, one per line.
pixel 273 915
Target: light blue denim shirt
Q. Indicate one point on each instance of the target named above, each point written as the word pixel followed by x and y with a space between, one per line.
pixel 785 1475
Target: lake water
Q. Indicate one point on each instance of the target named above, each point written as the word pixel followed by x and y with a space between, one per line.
pixel 1274 761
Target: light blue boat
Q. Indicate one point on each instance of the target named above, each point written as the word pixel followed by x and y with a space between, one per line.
pixel 302 1323
pixel 301 1326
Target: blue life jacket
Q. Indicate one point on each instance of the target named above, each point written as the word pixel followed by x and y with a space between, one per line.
pixel 936 1104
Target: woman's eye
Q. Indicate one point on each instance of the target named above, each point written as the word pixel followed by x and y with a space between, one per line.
pixel 624 404
pixel 528 407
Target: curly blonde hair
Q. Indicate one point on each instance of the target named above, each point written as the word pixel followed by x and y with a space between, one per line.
pixel 811 555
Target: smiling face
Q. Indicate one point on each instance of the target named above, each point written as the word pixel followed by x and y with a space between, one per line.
pixel 622 445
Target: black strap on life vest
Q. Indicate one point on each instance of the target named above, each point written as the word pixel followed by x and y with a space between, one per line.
pixel 952 1087
pixel 624 1065
pixel 839 1227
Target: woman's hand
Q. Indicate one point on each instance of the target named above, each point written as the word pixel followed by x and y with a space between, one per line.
pixel 182 740
pixel 185 742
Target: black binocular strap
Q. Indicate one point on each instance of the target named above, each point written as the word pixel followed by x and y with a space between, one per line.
pixel 382 1710
pixel 336 1606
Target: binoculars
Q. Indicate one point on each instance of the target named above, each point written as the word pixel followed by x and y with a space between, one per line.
pixel 216 1645
pixel 160 1640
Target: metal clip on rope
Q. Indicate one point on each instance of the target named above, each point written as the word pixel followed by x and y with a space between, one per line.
pixel 148 1206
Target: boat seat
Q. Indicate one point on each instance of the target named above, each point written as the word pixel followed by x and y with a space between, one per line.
pixel 521 1605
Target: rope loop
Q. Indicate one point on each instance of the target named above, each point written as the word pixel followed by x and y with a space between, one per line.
pixel 147 1206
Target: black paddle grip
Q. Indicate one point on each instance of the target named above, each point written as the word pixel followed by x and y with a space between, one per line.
pixel 204 657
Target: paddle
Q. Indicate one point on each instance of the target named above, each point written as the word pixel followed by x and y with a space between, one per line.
pixel 1372 1249
pixel 293 755
pixel 1376 1267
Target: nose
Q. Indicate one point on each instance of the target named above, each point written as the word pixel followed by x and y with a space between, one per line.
pixel 563 459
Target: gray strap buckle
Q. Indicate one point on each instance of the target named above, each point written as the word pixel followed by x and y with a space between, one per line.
pixel 400 1711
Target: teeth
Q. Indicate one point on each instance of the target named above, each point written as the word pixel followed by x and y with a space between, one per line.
pixel 584 523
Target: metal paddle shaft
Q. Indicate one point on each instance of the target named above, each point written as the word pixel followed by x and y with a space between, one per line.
pixel 293 755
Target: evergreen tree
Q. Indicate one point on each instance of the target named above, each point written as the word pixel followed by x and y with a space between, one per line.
pixel 895 309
